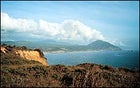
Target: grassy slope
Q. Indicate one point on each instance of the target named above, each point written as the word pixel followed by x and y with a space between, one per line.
pixel 19 72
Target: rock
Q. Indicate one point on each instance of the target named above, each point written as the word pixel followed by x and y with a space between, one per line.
pixel 25 53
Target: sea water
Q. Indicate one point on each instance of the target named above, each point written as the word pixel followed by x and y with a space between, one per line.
pixel 129 59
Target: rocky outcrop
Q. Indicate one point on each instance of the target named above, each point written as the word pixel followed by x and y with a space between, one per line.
pixel 25 53
pixel 26 71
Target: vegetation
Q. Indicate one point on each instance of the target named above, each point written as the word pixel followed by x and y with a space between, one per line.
pixel 25 73
pixel 20 72
pixel 54 46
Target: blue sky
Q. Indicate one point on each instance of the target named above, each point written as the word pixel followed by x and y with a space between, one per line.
pixel 113 21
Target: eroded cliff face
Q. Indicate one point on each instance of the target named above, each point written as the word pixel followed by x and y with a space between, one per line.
pixel 20 67
pixel 31 55
pixel 25 53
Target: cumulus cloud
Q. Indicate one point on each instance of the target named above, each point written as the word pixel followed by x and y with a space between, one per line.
pixel 21 25
pixel 68 30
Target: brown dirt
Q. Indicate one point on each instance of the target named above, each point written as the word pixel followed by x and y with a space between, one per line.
pixel 19 72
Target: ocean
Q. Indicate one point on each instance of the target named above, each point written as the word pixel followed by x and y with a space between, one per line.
pixel 128 59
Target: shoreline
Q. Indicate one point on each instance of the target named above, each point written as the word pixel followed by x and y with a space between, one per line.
pixel 117 67
pixel 61 51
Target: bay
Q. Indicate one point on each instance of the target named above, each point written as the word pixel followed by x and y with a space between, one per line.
pixel 129 59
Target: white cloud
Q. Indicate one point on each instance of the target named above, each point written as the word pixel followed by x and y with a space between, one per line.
pixel 117 42
pixel 68 30
pixel 20 25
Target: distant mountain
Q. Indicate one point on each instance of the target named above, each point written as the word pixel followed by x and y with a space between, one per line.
pixel 62 46
pixel 102 45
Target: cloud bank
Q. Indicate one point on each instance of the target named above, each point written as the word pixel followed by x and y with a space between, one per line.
pixel 68 30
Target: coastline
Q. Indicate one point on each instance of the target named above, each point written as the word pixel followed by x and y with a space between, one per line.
pixel 61 51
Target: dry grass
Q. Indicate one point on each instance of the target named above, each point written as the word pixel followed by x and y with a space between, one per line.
pixel 19 72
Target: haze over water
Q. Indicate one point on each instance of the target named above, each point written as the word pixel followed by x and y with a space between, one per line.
pixel 82 22
pixel 74 22
pixel 129 59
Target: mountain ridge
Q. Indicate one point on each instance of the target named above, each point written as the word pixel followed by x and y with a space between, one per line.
pixel 99 45
pixel 54 46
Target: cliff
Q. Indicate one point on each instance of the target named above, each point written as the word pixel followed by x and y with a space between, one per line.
pixel 25 53
pixel 17 71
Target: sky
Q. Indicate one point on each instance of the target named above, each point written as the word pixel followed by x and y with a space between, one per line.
pixel 79 22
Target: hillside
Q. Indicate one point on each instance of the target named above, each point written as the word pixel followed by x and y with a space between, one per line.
pixel 49 46
pixel 17 71
pixel 24 53
pixel 102 45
